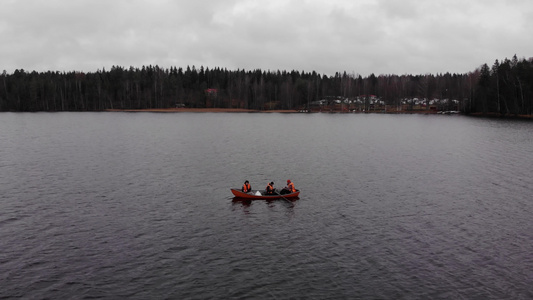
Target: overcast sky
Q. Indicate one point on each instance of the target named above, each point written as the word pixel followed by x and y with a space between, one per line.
pixel 356 36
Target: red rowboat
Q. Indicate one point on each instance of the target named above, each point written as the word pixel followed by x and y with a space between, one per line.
pixel 261 194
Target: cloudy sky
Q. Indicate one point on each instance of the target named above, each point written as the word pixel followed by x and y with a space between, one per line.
pixel 326 36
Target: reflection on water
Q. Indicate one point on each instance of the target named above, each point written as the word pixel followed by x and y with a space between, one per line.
pixel 246 204
pixel 139 206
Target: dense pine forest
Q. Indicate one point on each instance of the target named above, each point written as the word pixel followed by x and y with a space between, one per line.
pixel 504 88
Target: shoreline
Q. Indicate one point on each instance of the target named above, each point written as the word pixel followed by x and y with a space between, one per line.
pixel 243 110
pixel 292 111
pixel 201 110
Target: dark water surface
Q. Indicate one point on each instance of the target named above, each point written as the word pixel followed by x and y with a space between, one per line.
pixel 138 206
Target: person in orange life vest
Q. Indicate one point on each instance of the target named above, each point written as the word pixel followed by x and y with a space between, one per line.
pixel 270 188
pixel 246 187
pixel 289 188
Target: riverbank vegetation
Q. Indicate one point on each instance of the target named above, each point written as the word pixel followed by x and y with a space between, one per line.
pixel 505 88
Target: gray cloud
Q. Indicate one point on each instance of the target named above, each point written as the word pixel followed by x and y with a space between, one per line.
pixel 371 36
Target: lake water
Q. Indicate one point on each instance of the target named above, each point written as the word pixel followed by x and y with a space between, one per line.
pixel 138 206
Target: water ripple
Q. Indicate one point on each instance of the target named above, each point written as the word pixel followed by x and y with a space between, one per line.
pixel 138 206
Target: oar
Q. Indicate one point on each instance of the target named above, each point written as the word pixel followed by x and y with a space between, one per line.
pixel 284 197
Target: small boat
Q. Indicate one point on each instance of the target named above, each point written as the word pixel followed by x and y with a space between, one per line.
pixel 261 194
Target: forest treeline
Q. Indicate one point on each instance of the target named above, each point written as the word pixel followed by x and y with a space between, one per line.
pixel 506 87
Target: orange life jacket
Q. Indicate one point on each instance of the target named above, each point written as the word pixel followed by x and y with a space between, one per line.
pixel 291 187
pixel 246 187
pixel 269 189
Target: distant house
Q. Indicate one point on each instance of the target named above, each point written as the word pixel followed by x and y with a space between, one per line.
pixel 211 92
